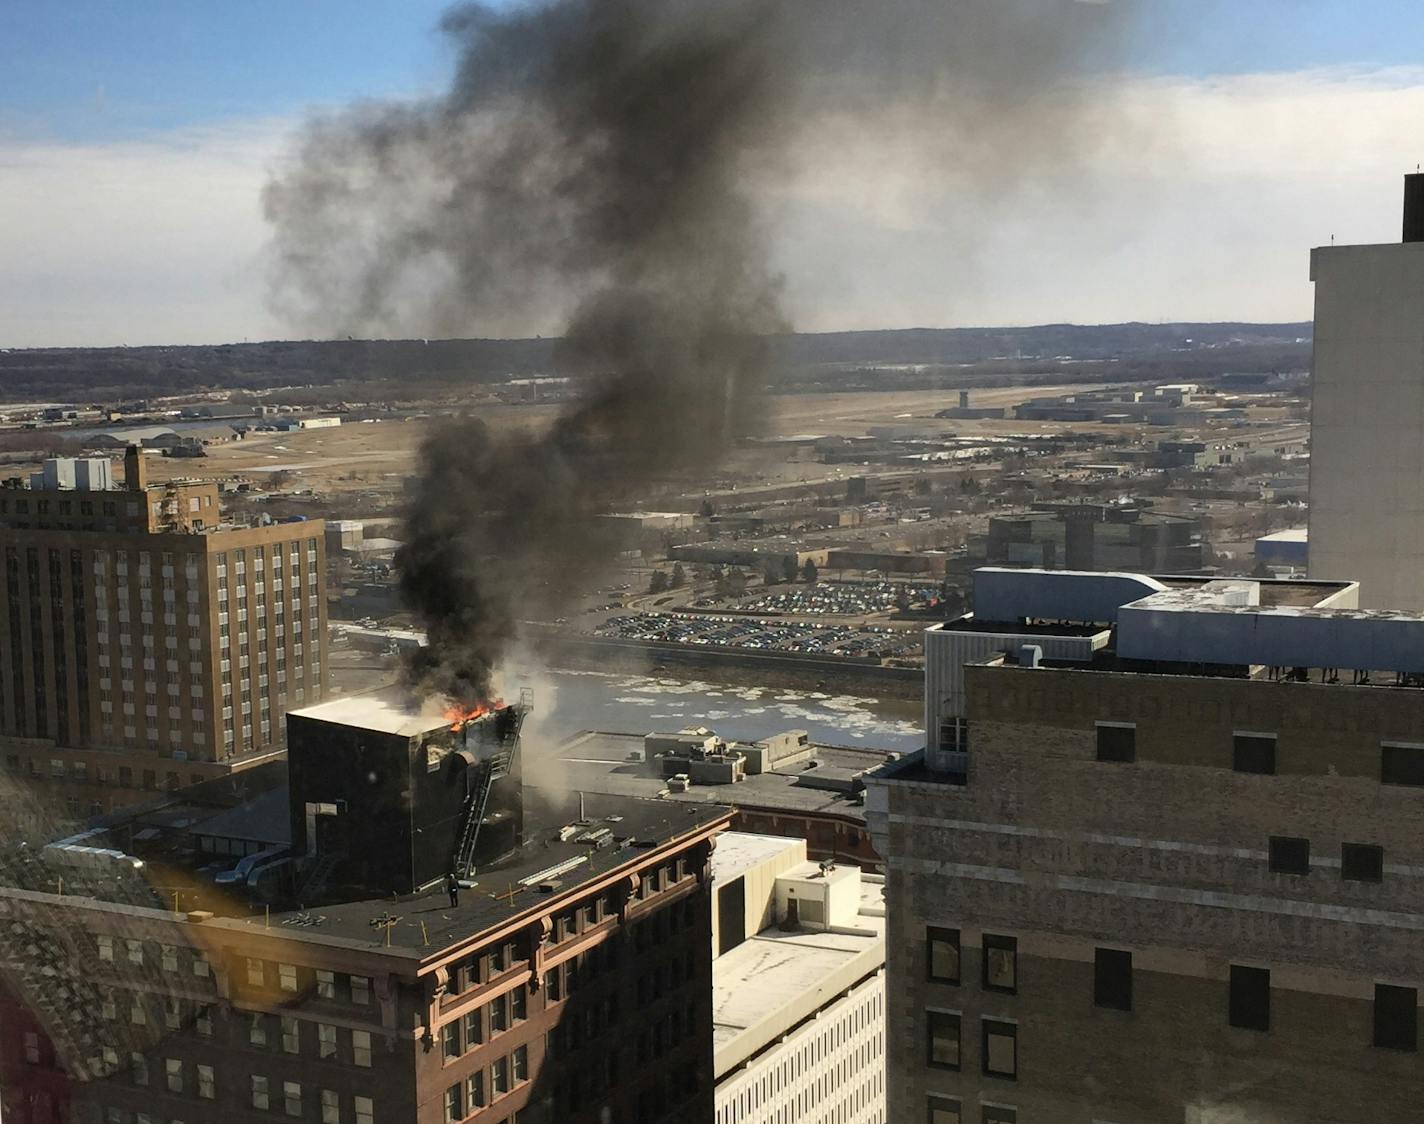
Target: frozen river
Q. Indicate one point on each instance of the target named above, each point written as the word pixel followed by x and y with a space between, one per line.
pixel 566 702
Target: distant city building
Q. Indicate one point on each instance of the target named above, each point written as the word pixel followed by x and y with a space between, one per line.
pixel 1367 414
pixel 1158 860
pixel 145 643
pixel 798 986
pixel 1096 537
pixel 1285 549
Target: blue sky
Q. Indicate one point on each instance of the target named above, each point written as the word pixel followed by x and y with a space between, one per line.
pixel 83 70
pixel 136 137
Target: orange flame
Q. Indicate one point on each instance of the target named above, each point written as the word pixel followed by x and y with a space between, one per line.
pixel 458 714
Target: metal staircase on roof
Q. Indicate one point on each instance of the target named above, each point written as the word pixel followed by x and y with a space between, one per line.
pixel 476 802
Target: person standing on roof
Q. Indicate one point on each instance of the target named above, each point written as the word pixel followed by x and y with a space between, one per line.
pixel 452 887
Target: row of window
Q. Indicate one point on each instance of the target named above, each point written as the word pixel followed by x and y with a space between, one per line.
pixel 486 1085
pixel 949 1110
pixel 297 979
pixel 998 965
pixel 1248 1002
pixel 461 1035
pixel 1400 762
pixel 267 1095
pixel 1359 862
pixel 998 1044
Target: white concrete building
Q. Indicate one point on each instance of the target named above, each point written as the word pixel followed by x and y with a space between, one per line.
pixel 1367 418
pixel 798 991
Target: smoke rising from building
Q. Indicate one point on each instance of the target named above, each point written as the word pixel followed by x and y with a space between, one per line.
pixel 601 162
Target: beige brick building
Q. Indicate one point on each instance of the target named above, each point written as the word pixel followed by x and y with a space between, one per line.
pixel 1178 878
pixel 144 643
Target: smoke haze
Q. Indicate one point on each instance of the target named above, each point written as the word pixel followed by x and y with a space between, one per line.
pixel 605 165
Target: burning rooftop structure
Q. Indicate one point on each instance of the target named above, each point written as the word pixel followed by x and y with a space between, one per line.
pixel 395 796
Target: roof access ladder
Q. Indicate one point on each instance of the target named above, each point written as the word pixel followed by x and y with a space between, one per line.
pixel 476 802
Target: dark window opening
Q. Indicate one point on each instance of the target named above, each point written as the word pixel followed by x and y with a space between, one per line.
pixel 1112 979
pixel 1396 1017
pixel 1254 753
pixel 1117 743
pixel 1402 764
pixel 1361 862
pixel 1249 1005
pixel 1290 855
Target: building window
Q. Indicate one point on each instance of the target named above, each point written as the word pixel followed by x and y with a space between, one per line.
pixel 450 1040
pixel 135 949
pixel 173 1074
pixel 1117 741
pixel 1001 955
pixel 361 990
pixel 256 974
pixel 475 1089
pixel 999 1114
pixel 325 984
pixel 943 958
pixel 1249 1005
pixel 1112 979
pixel 361 1048
pixel 944 1110
pixel 106 949
pixel 287 976
pixel 365 1109
pixel 1396 1017
pixel 942 1038
pixel 499 1077
pixel 1289 855
pixel 330 1107
pixel 206 1088
pixel 292 1097
pixel 257 1032
pixel 260 1098
pixel 1401 764
pixel 325 1040
pixel 519 1062
pixel 1254 753
pixel 291 1035
pixel 499 1014
pixel 169 957
pixel 1000 1045
pixel 32 1047
pixel 454 1104
pixel 1361 862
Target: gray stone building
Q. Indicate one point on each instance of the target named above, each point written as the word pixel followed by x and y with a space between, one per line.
pixel 1175 876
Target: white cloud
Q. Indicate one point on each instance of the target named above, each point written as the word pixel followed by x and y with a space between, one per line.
pixel 1204 207
pixel 148 241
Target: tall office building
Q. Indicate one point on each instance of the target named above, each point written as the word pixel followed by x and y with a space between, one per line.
pixel 1367 414
pixel 1161 860
pixel 144 642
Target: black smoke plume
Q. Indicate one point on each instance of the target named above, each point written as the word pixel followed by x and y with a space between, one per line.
pixel 601 159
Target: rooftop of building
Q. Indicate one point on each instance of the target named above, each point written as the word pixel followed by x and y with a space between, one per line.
pixel 778 978
pixel 600 762
pixel 1175 624
pixel 415 926
pixel 391 710
pixel 543 868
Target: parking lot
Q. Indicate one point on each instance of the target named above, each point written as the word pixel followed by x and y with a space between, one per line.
pixel 839 598
pixel 763 635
